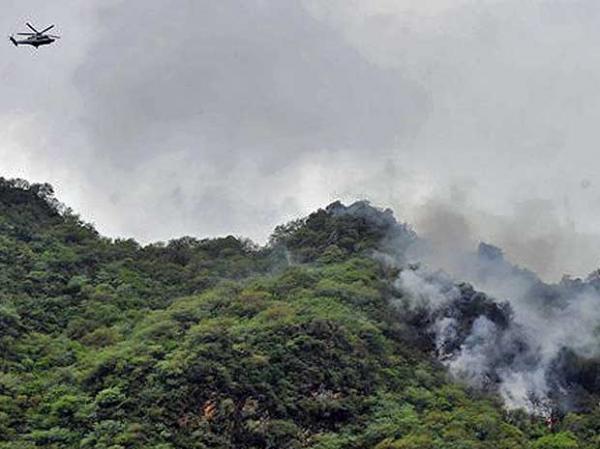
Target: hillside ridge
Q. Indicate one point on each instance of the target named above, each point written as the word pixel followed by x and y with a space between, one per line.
pixel 327 337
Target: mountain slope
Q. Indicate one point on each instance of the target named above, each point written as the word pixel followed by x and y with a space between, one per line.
pixel 306 343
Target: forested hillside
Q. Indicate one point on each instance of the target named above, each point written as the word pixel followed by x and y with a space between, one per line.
pixel 307 342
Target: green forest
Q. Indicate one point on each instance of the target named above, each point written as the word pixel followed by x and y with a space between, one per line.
pixel 222 343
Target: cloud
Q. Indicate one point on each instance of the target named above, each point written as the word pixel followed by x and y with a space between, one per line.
pixel 236 81
pixel 218 100
pixel 149 117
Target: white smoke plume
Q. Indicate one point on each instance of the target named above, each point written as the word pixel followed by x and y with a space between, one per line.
pixel 511 332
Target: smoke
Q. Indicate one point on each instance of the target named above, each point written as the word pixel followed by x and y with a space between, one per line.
pixel 534 233
pixel 515 347
pixel 536 344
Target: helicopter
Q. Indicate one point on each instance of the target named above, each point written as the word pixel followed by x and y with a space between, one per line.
pixel 35 39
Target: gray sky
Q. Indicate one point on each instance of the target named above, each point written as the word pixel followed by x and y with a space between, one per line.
pixel 156 118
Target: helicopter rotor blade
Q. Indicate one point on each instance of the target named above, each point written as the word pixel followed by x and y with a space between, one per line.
pixel 32 28
pixel 47 29
pixel 52 36
pixel 26 34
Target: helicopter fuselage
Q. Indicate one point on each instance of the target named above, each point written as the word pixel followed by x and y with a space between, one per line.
pixel 34 41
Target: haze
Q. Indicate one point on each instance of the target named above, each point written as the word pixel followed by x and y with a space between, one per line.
pixel 473 120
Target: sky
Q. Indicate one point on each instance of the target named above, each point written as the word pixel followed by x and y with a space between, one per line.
pixel 473 120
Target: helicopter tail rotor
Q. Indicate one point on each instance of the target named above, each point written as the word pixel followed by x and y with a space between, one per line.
pixel 13 40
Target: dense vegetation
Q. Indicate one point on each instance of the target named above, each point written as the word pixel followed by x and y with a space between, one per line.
pixel 221 344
